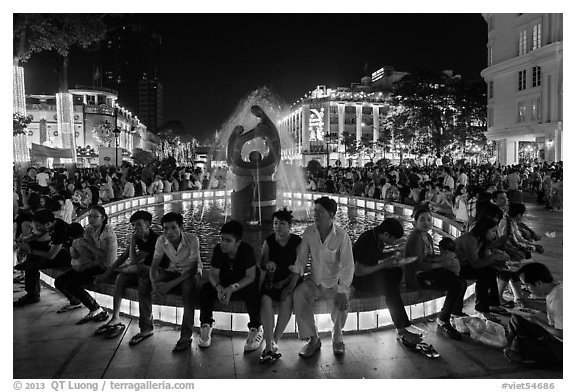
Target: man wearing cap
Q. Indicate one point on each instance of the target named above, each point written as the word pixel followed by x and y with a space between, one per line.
pixel 331 273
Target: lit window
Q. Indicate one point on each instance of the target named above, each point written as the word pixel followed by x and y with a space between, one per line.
pixel 536 110
pixel 490 56
pixel 537 36
pixel 521 112
pixel 490 117
pixel 522 80
pixel 522 42
pixel 490 89
pixel 536 75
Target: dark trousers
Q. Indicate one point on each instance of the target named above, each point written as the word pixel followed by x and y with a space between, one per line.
pixel 72 284
pixel 445 280
pixel 386 282
pixel 187 289
pixel 249 294
pixel 486 286
pixel 534 342
pixel 32 266
pixel 142 281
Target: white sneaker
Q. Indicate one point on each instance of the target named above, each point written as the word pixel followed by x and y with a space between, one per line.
pixel 255 337
pixel 205 336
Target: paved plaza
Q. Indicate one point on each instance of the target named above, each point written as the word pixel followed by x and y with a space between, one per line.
pixel 50 345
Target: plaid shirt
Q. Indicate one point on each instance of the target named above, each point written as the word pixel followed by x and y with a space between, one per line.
pixel 28 183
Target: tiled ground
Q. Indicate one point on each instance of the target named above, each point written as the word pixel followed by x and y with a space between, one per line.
pixel 50 345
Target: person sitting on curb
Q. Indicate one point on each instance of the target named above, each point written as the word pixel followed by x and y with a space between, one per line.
pixel 379 274
pixel 279 252
pixel 233 275
pixel 433 271
pixel 47 247
pixel 535 337
pixel 176 263
pixel 332 271
pixel 133 267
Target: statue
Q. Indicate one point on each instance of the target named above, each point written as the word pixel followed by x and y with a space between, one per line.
pixel 254 198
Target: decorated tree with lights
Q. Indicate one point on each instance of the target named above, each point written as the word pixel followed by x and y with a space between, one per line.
pixel 470 128
pixel 59 33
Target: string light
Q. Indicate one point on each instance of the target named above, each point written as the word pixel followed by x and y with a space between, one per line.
pixel 20 147
pixel 65 115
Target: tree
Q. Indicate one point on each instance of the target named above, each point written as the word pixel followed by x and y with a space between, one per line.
pixel 141 157
pixel 57 32
pixel 424 104
pixel 470 129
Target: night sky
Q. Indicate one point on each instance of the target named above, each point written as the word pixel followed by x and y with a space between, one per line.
pixel 210 62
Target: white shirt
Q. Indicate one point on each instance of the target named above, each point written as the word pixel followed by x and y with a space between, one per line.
pixel 183 258
pixel 463 179
pixel 554 301
pixel 332 260
pixel 42 179
pixel 128 190
pixel 449 181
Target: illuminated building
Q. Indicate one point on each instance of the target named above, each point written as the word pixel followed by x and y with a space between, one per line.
pixel 323 119
pixel 96 115
pixel 524 78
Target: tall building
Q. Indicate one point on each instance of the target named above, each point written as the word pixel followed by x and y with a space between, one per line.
pixel 321 121
pixel 524 78
pixel 130 62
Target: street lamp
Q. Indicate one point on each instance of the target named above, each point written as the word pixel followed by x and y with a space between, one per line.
pixel 116 132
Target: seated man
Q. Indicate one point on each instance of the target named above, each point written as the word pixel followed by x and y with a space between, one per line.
pixel 332 270
pixel 535 337
pixel 233 275
pixel 48 248
pixel 176 263
pixel 378 273
pixel 133 266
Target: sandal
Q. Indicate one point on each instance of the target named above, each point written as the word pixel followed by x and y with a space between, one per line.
pixel 114 330
pixel 139 337
pixel 103 329
pixel 102 316
pixel 428 350
pixel 69 307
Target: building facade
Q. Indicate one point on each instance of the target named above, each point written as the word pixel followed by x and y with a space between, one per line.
pixel 524 78
pixel 322 122
pixel 130 65
pixel 96 115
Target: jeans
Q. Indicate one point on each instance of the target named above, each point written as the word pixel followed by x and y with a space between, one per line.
pixel 187 289
pixel 445 280
pixel 304 297
pixel 534 342
pixel 486 286
pixel 142 280
pixel 72 284
pixel 249 294
pixel 32 266
pixel 386 282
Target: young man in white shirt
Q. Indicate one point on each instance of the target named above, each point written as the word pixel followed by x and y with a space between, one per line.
pixel 535 337
pixel 176 262
pixel 332 270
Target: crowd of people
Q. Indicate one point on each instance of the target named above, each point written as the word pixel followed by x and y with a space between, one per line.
pixel 494 250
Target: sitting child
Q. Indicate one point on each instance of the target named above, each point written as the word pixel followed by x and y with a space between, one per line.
pixel 81 258
pixel 448 253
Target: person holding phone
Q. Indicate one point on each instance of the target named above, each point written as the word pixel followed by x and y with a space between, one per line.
pixel 380 273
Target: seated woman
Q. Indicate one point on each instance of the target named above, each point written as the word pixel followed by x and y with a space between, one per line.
pixel 432 271
pixel 278 254
pixel 101 243
pixel 479 261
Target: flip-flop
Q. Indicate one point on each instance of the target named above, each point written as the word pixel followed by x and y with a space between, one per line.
pixel 102 316
pixel 139 337
pixel 114 331
pixel 69 307
pixel 103 329
pixel 405 342
pixel 85 319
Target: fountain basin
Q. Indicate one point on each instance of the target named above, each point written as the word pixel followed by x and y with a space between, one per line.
pixel 367 312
